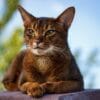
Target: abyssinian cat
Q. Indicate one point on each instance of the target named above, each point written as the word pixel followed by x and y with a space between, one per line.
pixel 47 64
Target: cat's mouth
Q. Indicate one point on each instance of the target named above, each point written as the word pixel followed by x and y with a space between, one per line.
pixel 39 48
pixel 41 51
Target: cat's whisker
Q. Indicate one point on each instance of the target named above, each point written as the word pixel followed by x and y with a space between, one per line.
pixel 59 49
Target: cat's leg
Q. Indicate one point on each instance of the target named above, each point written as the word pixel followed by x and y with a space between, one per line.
pixel 11 77
pixel 30 83
pixel 63 86
pixel 34 89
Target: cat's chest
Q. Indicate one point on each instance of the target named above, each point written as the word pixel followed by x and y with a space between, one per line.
pixel 43 64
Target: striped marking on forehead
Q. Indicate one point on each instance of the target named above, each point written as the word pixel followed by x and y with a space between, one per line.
pixel 41 25
pixel 48 27
pixel 34 25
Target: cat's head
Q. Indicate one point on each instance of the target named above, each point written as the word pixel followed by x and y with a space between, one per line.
pixel 44 35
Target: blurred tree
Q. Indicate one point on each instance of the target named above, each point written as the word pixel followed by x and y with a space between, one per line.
pixel 87 64
pixel 92 58
pixel 9 49
pixel 10 6
pixel 11 46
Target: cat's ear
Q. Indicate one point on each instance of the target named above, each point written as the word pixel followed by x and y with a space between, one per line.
pixel 66 17
pixel 27 17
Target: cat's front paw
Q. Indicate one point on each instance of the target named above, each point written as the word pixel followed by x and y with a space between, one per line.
pixel 9 84
pixel 33 89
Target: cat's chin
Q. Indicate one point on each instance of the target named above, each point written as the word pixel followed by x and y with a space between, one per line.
pixel 41 52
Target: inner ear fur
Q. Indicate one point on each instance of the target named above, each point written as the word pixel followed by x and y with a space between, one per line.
pixel 66 17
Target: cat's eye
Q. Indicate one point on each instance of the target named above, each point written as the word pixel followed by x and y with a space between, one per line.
pixel 30 32
pixel 50 33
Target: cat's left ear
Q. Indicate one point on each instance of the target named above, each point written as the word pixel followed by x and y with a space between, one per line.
pixel 66 17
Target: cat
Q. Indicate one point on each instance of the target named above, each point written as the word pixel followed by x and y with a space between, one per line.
pixel 47 64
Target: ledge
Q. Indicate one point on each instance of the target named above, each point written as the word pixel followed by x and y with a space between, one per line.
pixel 83 95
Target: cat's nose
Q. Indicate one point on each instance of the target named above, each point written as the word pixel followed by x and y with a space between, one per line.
pixel 39 40
pixel 38 43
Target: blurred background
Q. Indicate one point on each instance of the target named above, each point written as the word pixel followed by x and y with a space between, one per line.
pixel 84 34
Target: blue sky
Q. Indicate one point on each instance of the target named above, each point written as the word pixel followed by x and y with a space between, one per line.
pixel 85 30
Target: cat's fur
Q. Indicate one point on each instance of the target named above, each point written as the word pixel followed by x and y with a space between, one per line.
pixel 47 65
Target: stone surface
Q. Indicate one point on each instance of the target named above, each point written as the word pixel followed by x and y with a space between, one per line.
pixel 82 95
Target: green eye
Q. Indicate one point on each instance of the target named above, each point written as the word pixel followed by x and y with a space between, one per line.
pixel 30 32
pixel 50 33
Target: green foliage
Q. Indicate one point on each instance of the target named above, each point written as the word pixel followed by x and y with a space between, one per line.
pixel 10 6
pixel 1 87
pixel 12 45
pixel 9 49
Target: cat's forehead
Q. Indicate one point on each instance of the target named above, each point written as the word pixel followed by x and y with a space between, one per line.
pixel 45 20
pixel 43 23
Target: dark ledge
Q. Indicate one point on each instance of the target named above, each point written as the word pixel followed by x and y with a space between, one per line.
pixel 83 95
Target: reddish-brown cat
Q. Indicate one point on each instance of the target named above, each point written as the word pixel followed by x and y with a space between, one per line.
pixel 47 64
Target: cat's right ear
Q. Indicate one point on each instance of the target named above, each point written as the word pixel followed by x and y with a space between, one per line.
pixel 27 17
pixel 66 17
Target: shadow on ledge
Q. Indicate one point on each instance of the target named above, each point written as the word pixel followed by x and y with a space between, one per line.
pixel 83 95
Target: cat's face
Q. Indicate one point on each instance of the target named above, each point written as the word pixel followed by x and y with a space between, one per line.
pixel 46 35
